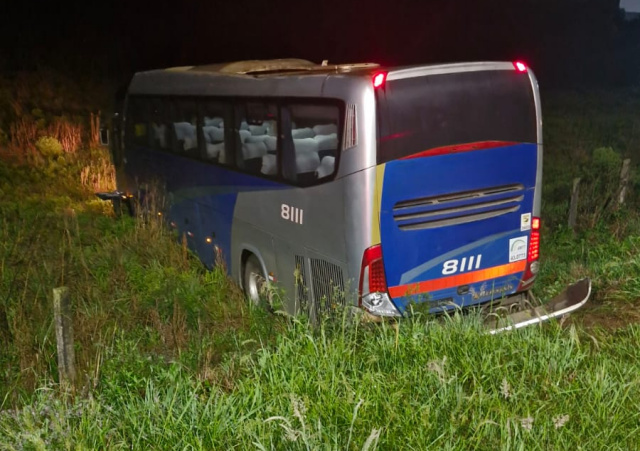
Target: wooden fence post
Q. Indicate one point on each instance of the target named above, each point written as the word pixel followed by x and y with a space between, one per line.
pixel 573 207
pixel 624 180
pixel 64 335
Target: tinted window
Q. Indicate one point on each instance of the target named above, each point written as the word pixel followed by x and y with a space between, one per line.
pixel 297 142
pixel 215 133
pixel 137 127
pixel 311 144
pixel 422 113
pixel 256 136
pixel 184 128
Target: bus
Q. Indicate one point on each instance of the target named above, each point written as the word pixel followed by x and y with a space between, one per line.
pixel 381 188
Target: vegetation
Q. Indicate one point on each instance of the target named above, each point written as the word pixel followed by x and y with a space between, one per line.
pixel 419 386
pixel 171 356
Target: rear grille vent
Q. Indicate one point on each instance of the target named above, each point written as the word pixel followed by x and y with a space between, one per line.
pixel 302 292
pixel 328 286
pixel 457 208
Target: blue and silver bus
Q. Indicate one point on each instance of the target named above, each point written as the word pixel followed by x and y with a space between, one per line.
pixel 378 187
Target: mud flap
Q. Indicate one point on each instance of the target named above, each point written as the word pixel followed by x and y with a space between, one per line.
pixel 500 319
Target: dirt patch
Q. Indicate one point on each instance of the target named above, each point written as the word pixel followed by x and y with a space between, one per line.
pixel 607 314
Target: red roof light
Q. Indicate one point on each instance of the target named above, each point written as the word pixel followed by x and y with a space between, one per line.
pixel 520 66
pixel 379 79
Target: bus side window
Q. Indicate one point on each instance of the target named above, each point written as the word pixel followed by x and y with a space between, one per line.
pixel 313 135
pixel 256 138
pixel 215 135
pixel 184 128
pixel 137 117
pixel 160 136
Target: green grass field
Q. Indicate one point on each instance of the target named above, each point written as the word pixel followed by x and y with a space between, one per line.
pixel 171 356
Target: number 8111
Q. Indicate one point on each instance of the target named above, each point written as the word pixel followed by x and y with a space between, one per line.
pixel 462 265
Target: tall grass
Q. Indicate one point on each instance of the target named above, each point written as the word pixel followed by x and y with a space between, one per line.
pixel 422 385
pixel 124 274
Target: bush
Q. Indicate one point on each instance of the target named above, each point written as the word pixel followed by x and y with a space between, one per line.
pixel 49 147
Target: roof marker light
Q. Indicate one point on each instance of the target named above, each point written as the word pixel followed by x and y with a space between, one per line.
pixel 379 79
pixel 520 66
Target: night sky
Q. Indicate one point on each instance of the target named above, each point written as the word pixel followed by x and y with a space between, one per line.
pixel 568 42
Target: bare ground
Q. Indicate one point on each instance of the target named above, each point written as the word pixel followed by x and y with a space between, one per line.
pixel 606 314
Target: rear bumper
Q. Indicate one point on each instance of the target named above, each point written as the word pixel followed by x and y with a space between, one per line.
pixel 502 317
pixel 515 312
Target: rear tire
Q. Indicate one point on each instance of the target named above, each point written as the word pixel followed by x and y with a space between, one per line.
pixel 253 280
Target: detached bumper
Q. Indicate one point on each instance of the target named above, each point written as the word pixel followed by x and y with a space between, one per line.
pixel 502 318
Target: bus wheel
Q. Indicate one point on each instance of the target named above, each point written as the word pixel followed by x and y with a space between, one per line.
pixel 253 280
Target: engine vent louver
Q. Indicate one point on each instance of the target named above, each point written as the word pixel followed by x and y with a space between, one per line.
pixel 457 208
pixel 328 287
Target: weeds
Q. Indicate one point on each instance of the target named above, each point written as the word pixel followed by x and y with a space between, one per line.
pixel 352 388
pixel 123 273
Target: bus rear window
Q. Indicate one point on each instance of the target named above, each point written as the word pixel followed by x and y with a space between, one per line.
pixel 421 113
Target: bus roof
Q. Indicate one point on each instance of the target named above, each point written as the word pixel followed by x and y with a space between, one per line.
pixel 273 76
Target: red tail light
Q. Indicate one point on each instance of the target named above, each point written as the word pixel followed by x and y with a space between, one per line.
pixel 533 255
pixel 379 79
pixel 372 278
pixel 374 297
pixel 534 240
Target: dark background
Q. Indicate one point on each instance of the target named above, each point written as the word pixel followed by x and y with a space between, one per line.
pixel 568 43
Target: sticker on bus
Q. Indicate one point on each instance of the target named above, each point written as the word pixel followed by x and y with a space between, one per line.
pixel 518 248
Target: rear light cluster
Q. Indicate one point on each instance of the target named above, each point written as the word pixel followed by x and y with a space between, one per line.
pixel 533 255
pixel 374 296
pixel 372 277
pixel 534 240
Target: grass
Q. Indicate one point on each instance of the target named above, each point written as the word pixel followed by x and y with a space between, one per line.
pixel 419 386
pixel 170 356
pixel 123 274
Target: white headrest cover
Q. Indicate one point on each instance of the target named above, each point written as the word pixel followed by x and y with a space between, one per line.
pixel 327 142
pixel 325 129
pixel 307 161
pixel 299 133
pixel 269 164
pixel 327 166
pixel 253 150
pixel 306 144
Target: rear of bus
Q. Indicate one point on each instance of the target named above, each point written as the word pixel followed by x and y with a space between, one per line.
pixel 459 168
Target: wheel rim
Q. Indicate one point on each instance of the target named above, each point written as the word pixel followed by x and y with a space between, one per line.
pixel 253 286
pixel 253 280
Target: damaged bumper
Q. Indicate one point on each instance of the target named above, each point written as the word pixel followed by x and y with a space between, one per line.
pixel 503 317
